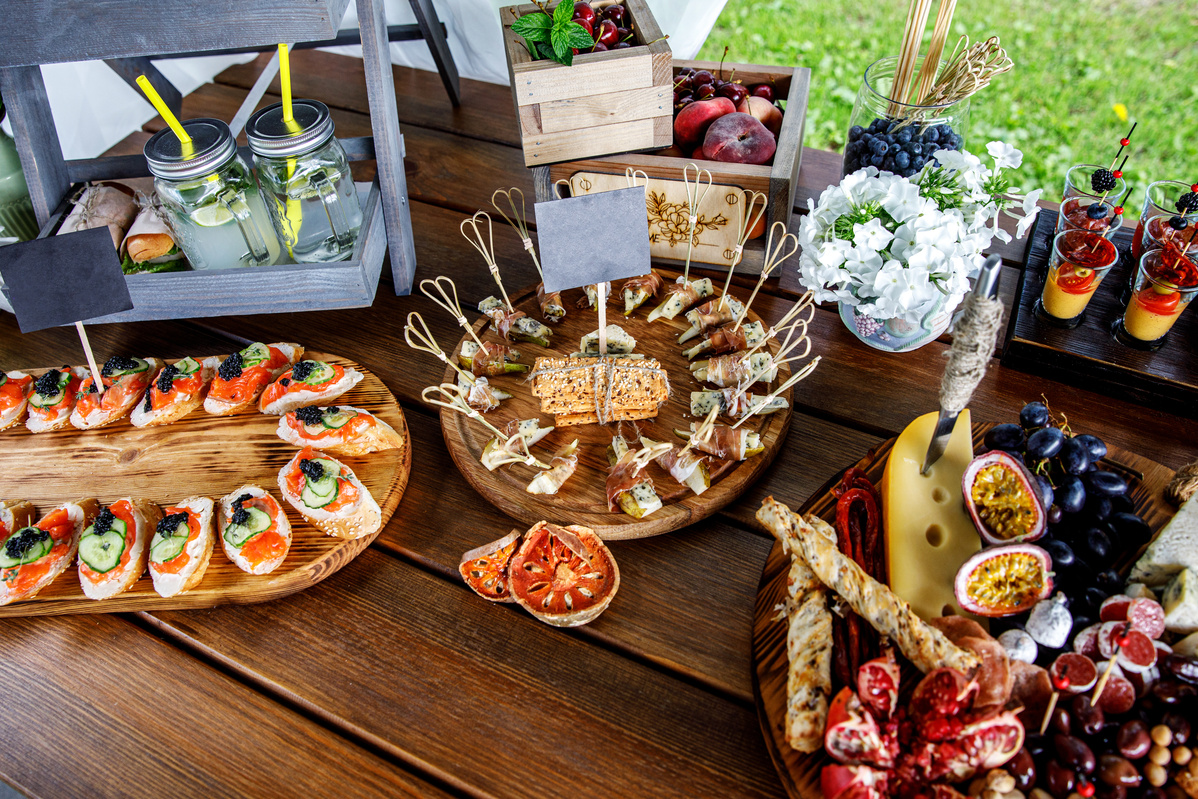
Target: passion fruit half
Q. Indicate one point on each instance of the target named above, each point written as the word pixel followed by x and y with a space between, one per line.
pixel 1004 580
pixel 1003 499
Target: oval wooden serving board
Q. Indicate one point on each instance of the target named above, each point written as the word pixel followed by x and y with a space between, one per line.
pixel 800 772
pixel 199 454
pixel 583 499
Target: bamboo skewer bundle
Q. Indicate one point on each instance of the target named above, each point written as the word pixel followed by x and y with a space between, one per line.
pixel 927 74
pixel 917 21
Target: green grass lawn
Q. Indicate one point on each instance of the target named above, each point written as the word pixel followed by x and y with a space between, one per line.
pixel 1074 61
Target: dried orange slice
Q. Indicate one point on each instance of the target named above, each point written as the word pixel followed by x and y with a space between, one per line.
pixel 485 568
pixel 565 576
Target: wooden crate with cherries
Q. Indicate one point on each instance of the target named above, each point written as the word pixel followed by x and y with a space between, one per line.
pixel 732 183
pixel 616 101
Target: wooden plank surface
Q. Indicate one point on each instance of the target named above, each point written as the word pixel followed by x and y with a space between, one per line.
pixel 392 664
pixel 97 707
pixel 484 694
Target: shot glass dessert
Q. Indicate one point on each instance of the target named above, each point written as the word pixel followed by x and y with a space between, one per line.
pixel 1166 282
pixel 1087 213
pixel 1079 261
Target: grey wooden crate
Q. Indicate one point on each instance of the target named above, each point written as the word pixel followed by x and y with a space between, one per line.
pixel 52 31
pixel 284 288
pixel 81 29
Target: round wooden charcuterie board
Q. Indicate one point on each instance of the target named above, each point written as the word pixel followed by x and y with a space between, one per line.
pixel 583 500
pixel 800 772
pixel 199 454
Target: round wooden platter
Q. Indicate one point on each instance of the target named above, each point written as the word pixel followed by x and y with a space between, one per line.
pixel 199 454
pixel 583 499
pixel 800 772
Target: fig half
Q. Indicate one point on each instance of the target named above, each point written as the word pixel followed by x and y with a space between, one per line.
pixel 1004 580
pixel 1003 499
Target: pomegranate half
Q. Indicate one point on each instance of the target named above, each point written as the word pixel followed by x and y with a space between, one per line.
pixel 1002 581
pixel 1003 499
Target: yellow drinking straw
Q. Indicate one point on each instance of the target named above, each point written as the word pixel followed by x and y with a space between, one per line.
pixel 160 106
pixel 291 209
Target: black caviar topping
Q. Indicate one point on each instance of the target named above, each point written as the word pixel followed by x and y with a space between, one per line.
pixel 16 546
pixel 148 405
pixel 103 522
pixel 303 369
pixel 285 382
pixel 240 514
pixel 1103 180
pixel 169 524
pixel 231 368
pixel 313 470
pixel 47 384
pixel 1188 202
pixel 309 414
pixel 91 388
pixel 166 378
pixel 117 363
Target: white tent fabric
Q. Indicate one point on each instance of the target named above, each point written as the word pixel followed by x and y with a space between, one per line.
pixel 94 109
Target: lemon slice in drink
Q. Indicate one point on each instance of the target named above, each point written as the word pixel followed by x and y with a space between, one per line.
pixel 211 215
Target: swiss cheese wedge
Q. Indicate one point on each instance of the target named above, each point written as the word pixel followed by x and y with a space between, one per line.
pixel 928 532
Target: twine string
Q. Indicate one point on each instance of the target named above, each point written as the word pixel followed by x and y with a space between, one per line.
pixel 604 372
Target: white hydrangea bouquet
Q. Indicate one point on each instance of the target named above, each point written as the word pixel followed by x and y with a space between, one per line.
pixel 900 248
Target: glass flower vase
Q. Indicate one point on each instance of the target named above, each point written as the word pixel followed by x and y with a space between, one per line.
pixel 899 137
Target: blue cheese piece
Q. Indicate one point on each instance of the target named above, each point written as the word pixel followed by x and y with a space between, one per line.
pixel 1176 548
pixel 1180 601
pixel 619 342
pixel 490 304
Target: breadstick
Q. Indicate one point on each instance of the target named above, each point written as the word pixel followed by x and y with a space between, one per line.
pixel 889 614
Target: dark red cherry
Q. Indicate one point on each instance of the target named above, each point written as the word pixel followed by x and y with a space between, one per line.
pixel 584 11
pixel 763 90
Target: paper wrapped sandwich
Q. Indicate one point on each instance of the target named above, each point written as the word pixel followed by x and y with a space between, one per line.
pixel 102 205
pixel 149 246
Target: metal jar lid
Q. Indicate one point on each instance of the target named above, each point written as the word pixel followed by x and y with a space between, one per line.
pixel 211 147
pixel 270 137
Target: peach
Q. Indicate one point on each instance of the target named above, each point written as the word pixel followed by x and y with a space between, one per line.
pixel 765 111
pixel 690 126
pixel 739 139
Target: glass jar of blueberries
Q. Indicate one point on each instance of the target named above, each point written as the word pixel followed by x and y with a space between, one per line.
pixel 899 137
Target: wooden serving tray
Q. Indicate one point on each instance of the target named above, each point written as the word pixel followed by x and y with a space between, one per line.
pixel 800 772
pixel 199 454
pixel 1089 356
pixel 583 499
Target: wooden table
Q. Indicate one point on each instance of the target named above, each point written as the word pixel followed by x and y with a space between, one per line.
pixel 391 677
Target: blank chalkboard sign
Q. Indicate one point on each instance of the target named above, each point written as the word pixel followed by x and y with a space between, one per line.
pixel 593 238
pixel 60 280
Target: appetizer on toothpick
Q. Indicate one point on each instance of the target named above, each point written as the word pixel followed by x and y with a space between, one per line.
pixel 687 468
pixel 627 488
pixel 551 302
pixel 481 395
pixel 501 450
pixel 510 323
pixel 562 466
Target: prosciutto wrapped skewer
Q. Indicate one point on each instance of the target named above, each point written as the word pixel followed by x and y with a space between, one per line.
pixel 722 340
pixel 561 468
pixel 680 296
pixel 551 304
pixel 521 435
pixel 591 299
pixel 490 359
pixel 638 290
pixel 724 442
pixel 627 488
pixel 727 371
pixel 516 325
pixel 713 313
pixel 687 468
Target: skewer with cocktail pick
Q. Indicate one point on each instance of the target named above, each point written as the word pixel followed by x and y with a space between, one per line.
pixel 518 220
pixel 696 193
pixel 1060 683
pixel 486 248
pixel 743 369
pixel 447 298
pixel 452 397
pixel 774 256
pixel 1119 642
pixel 481 396
pixel 426 342
pixel 634 176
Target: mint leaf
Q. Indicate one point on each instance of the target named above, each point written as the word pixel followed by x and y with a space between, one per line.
pixel 563 13
pixel 546 51
pixel 561 43
pixel 534 27
pixel 578 37
pixel 531 46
